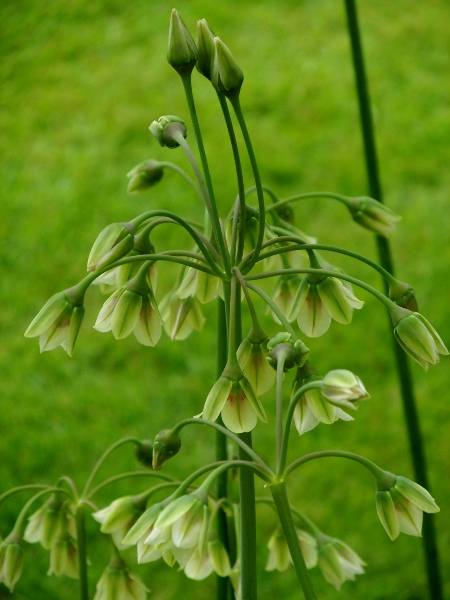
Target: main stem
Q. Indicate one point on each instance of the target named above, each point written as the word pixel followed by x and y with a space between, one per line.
pixel 280 498
pixel 82 554
pixel 385 257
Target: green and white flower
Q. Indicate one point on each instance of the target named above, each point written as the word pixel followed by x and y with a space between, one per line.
pixel 338 562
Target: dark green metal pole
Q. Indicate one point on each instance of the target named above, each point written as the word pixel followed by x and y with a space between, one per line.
pixel 386 261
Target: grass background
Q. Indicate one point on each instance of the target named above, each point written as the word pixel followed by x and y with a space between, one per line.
pixel 81 81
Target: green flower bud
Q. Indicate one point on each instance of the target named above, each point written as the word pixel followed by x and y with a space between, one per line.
pixel 144 453
pixel 226 75
pixel 182 51
pixel 11 560
pixel 373 215
pixel 144 176
pixel 338 562
pixel 400 507
pixel 233 398
pixel 165 127
pixel 417 337
pixel 59 321
pixel 296 354
pixel 181 316
pixel 205 46
pixel 342 388
pixel 165 446
pixel 113 243
pixel 64 557
pixel 403 295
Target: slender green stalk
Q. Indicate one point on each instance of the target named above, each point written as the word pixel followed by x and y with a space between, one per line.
pixel 187 84
pixel 279 407
pixel 305 196
pixel 256 327
pixel 376 471
pixel 183 174
pixel 23 513
pixel 280 498
pixel 276 309
pixel 20 488
pixel 127 475
pixel 385 255
pixel 80 521
pixel 235 102
pixel 222 583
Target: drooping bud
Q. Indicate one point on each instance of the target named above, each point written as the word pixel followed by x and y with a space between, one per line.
pixel 343 388
pixel 182 52
pixel 11 560
pixel 165 446
pixel 373 215
pixel 166 128
pixel 144 176
pixel 113 243
pixel 338 562
pixel 403 295
pixel 252 357
pixel 144 453
pixel 295 353
pixel 226 75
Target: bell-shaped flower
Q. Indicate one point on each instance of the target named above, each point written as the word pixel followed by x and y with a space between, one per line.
pixel 113 243
pixel 43 525
pixel 233 398
pixel 118 518
pixel 342 388
pixel 338 562
pixel 312 407
pixel 144 176
pixel 200 284
pixel 199 565
pixel 373 215
pixel 182 51
pixel 218 556
pixel 252 357
pixel 284 294
pixel 417 337
pixel 64 556
pixel 401 507
pixel 59 321
pixel 226 75
pixel 132 308
pixel 11 560
pixel 119 582
pixel 279 556
pixel 143 527
pixel 317 303
pixel 181 316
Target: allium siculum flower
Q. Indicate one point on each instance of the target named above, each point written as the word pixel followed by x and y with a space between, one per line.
pixel 284 294
pixel 182 51
pixel 118 582
pixel 417 337
pixel 279 556
pixel 118 518
pixel 233 398
pixel 132 308
pixel 11 560
pixel 316 303
pixel 252 357
pixel 113 243
pixel 312 407
pixel 205 48
pixel 181 316
pixel 226 75
pixel 64 556
pixel 144 176
pixel 200 284
pixel 401 506
pixel 43 525
pixel 338 562
pixel 59 321
pixel 165 127
pixel 342 388
pixel 373 215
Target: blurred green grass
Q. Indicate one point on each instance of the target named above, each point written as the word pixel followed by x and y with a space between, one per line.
pixel 80 84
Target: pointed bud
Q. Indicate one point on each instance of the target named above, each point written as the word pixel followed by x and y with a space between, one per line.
pixel 343 388
pixel 113 243
pixel 418 338
pixel 205 46
pixel 403 295
pixel 182 52
pixel 166 445
pixel 166 128
pixel 373 215
pixel 226 75
pixel 144 176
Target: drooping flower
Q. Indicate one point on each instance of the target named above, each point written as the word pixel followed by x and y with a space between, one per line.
pixel 43 525
pixel 181 316
pixel 279 556
pixel 373 215
pixel 401 507
pixel 113 243
pixel 64 556
pixel 11 560
pixel 118 518
pixel 417 337
pixel 252 357
pixel 338 562
pixel 342 388
pixel 200 284
pixel 118 582
pixel 59 321
pixel 144 176
pixel 284 294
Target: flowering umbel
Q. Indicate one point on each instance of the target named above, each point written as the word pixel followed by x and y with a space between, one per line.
pixel 401 507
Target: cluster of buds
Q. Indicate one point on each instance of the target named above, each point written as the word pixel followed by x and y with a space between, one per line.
pixel 118 581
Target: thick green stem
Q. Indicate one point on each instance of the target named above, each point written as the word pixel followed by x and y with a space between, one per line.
pixel 280 498
pixel 82 552
pixel 385 256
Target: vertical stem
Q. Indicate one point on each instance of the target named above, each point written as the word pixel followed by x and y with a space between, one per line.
pixel 280 498
pixel 82 555
pixel 221 446
pixel 279 407
pixel 386 261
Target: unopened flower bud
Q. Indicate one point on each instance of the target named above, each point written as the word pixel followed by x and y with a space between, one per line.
pixel 252 357
pixel 144 453
pixel 417 337
pixel 166 128
pixel 165 446
pixel 11 560
pixel 182 51
pixel 403 295
pixel 343 388
pixel 226 75
pixel 373 215
pixel 205 47
pixel 144 176
pixel 113 243
pixel 295 354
